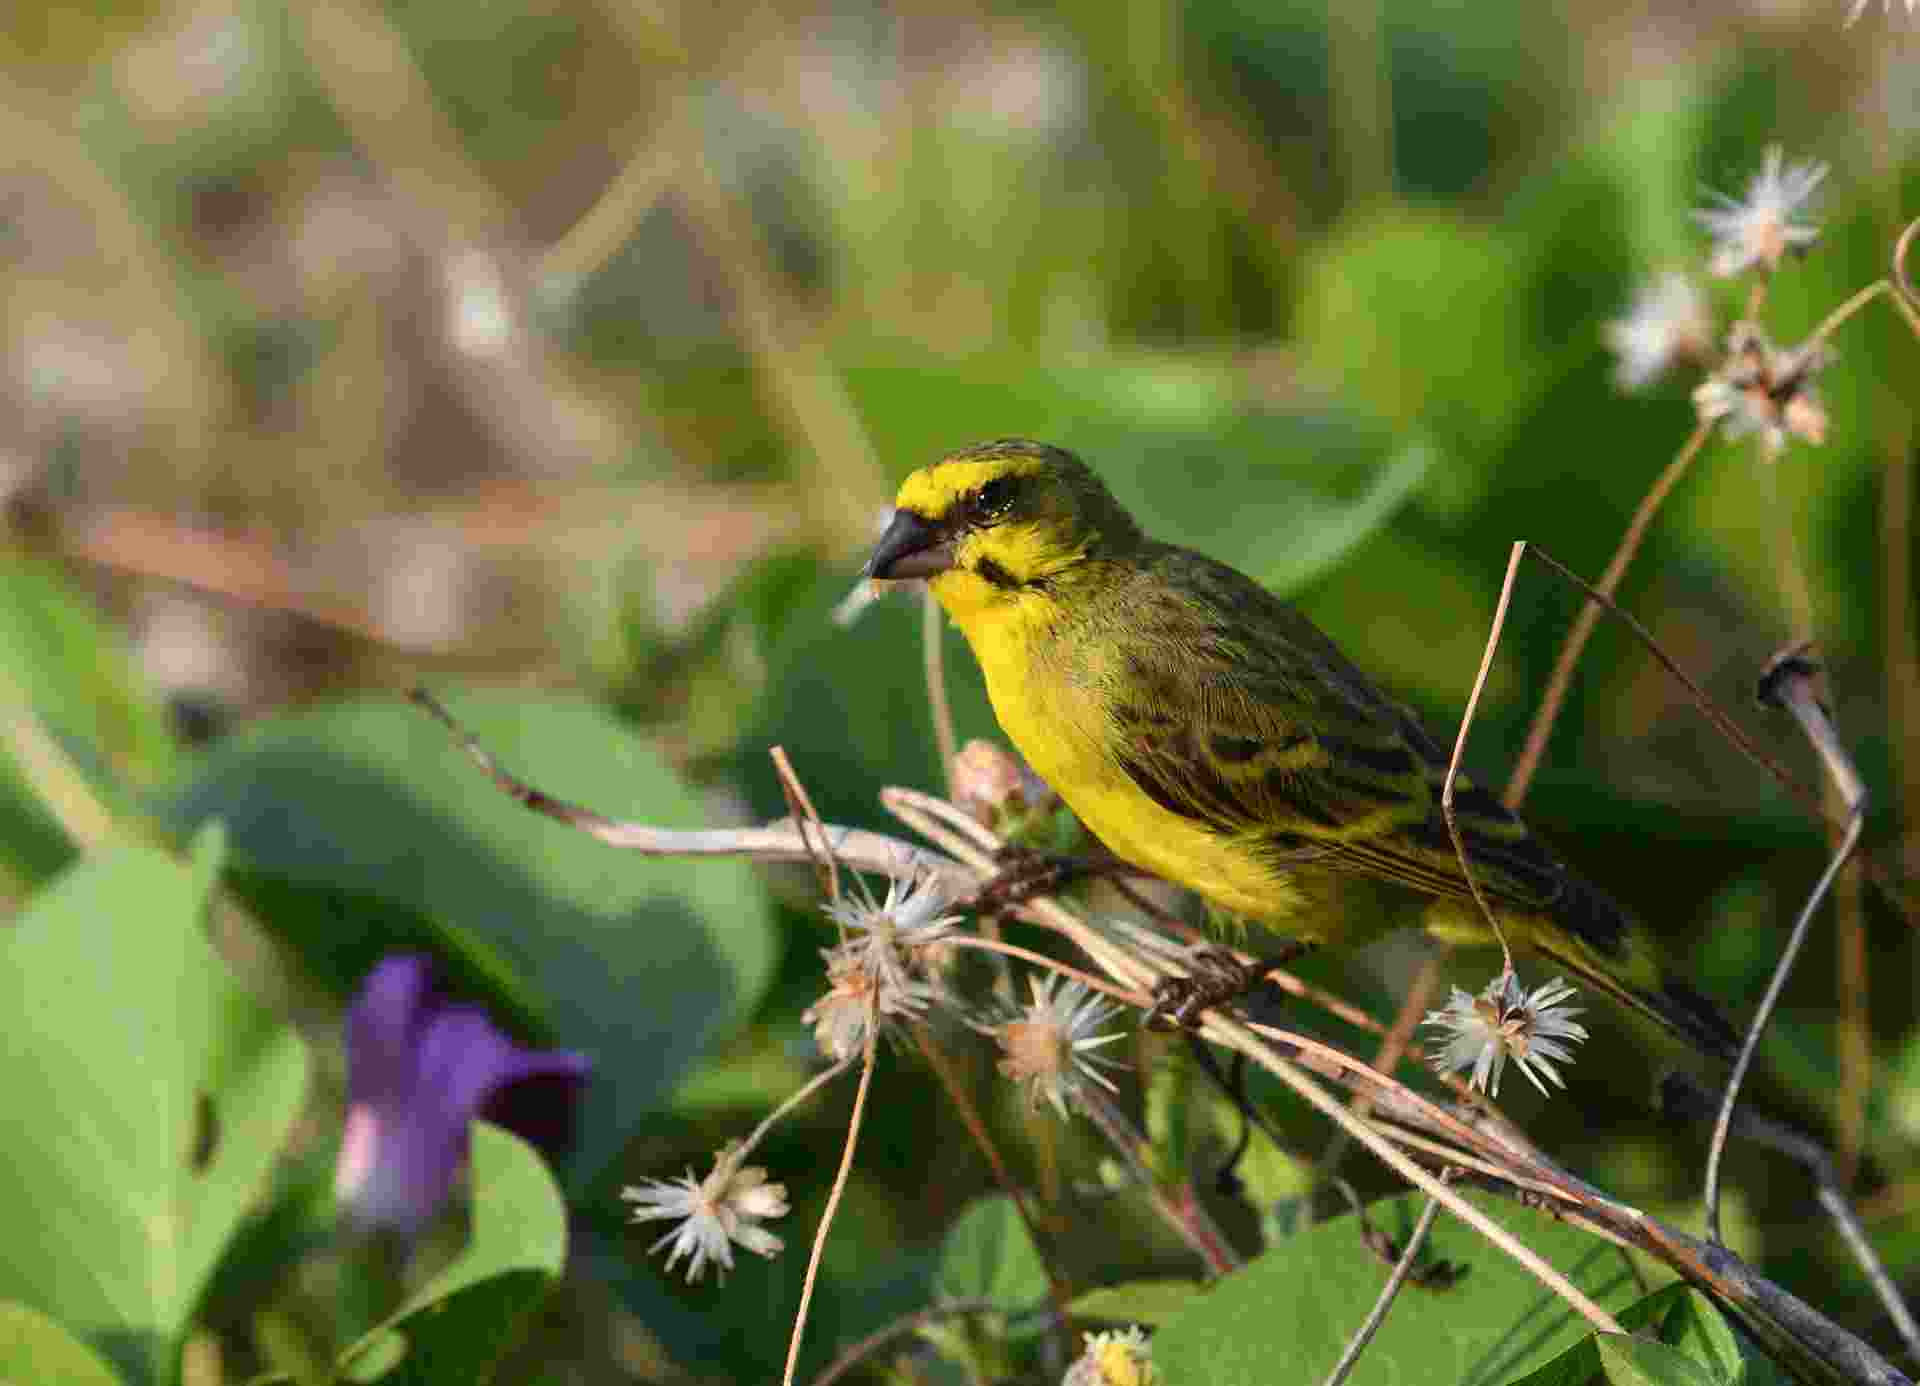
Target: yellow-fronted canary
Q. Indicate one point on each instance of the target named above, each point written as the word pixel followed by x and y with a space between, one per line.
pixel 1207 732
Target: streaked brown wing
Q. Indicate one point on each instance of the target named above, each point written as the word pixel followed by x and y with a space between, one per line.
pixel 1281 739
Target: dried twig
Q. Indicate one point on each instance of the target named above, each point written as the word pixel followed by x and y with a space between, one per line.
pixel 1185 1215
pixel 807 818
pixel 1906 297
pixel 1682 1095
pixel 1476 1137
pixel 1788 683
pixel 1378 1314
pixel 1576 642
pixel 1721 721
pixel 858 848
pixel 854 1122
pixel 1239 1037
pixel 859 1352
pixel 1460 749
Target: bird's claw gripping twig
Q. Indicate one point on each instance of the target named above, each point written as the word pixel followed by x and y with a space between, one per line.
pixel 1026 874
pixel 1218 978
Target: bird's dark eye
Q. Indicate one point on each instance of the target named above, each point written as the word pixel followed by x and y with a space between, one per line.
pixel 994 498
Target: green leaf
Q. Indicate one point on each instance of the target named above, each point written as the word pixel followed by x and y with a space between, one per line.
pixel 989 1255
pixel 456 1326
pixel 74 669
pixel 1300 1303
pixel 1681 1318
pixel 640 962
pixel 1381 312
pixel 147 1097
pixel 1328 529
pixel 35 1348
pixel 1691 1325
pixel 69 671
pixel 1149 1303
pixel 1627 1361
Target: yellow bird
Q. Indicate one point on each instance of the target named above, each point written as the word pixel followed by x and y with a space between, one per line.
pixel 1208 733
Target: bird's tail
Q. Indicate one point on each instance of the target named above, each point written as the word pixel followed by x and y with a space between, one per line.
pixel 1670 1003
pixel 1596 940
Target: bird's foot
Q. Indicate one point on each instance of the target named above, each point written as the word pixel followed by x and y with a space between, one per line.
pixel 1218 978
pixel 1027 873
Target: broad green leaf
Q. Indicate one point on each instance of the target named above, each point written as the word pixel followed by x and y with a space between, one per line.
pixel 1328 529
pixel 455 1327
pixel 1679 1316
pixel 640 962
pixel 74 670
pixel 1301 1302
pixel 1627 1361
pixel 147 1097
pixel 989 1254
pixel 1691 1325
pixel 34 1348
pixel 1146 1302
pixel 1382 314
pixel 62 666
pixel 850 704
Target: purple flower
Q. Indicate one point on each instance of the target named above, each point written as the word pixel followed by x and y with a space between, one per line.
pixel 419 1069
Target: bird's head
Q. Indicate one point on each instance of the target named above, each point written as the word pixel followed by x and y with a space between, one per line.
pixel 993 520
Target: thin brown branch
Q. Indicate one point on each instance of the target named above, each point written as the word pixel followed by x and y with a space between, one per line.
pixel 1905 295
pixel 1388 1293
pixel 794 1099
pixel 956 1091
pixel 1719 718
pixel 800 804
pixel 1243 1038
pixel 1682 1095
pixel 609 224
pixel 840 1177
pixel 1811 1344
pixel 1839 315
pixel 1178 1209
pixel 859 1352
pixel 1393 1045
pixel 1789 684
pixel 1138 1000
pixel 858 848
pixel 1460 750
pixel 1576 643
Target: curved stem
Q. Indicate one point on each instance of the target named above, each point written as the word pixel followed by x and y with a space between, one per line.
pixel 1905 294
pixel 1378 1314
pixel 899 1328
pixel 867 1066
pixel 1570 652
pixel 1460 749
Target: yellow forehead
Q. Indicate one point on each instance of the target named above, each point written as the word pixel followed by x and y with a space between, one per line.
pixel 929 491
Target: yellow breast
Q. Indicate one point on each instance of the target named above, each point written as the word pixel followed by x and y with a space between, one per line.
pixel 1049 688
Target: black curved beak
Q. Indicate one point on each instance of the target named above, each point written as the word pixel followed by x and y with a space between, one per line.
pixel 911 548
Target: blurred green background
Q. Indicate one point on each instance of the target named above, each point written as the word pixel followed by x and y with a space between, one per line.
pixel 578 347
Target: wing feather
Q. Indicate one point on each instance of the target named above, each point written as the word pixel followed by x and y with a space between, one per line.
pixel 1285 743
